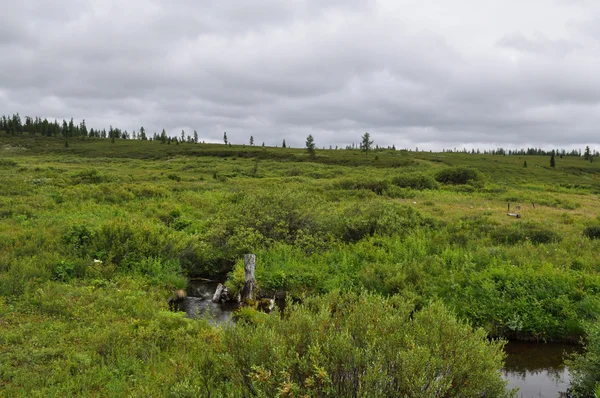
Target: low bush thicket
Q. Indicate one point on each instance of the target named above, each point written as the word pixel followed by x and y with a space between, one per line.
pixel 119 340
pixel 592 232
pixel 364 345
pixel 459 176
pixel 484 285
pixel 415 181
pixel 376 186
pixel 89 176
pixel 255 222
pixel 523 232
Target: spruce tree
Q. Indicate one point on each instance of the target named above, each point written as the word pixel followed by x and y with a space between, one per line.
pixel 552 161
pixel 310 145
pixel 71 128
pixel 65 128
pixel 283 145
pixel 83 129
pixel 366 143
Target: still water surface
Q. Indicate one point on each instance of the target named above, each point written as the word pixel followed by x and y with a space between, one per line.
pixel 198 303
pixel 538 370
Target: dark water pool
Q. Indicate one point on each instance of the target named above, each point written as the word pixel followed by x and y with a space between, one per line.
pixel 538 370
pixel 198 302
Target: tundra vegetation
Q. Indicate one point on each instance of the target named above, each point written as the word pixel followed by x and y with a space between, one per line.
pixel 408 270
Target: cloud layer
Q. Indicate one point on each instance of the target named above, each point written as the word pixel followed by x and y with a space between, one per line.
pixel 421 73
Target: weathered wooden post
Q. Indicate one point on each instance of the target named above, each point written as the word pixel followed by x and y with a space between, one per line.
pixel 517 215
pixel 249 267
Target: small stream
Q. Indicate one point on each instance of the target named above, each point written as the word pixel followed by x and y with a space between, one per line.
pixel 537 370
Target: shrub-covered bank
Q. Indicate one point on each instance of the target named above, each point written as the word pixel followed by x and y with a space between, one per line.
pixel 118 340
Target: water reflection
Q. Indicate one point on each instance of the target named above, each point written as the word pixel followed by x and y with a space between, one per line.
pixel 198 303
pixel 538 370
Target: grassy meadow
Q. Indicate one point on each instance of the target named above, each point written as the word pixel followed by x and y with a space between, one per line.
pixel 413 251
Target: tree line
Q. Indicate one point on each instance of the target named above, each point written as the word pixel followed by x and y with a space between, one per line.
pixel 15 125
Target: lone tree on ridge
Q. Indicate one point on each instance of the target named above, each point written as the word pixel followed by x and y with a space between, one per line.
pixel 310 145
pixel 366 144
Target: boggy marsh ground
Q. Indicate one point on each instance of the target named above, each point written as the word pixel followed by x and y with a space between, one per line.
pixel 427 229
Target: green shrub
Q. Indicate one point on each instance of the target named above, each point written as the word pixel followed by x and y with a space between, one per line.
pixel 415 181
pixel 459 176
pixel 179 224
pixel 124 243
pixel 78 238
pixel 399 193
pixel 200 258
pixel 585 367
pixel 64 271
pixel 470 228
pixel 20 274
pixel 7 163
pixel 278 216
pixel 592 232
pixel 168 217
pixel 541 236
pixel 376 186
pixel 369 217
pixel 467 188
pixel 89 176
pixel 517 233
pixel 112 193
pixel 363 345
pixel 174 177
pixel 149 191
pixel 294 172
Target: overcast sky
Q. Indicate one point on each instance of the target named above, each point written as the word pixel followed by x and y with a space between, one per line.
pixel 428 73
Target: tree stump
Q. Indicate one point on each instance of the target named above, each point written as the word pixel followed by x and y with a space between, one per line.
pixel 249 267
pixel 217 296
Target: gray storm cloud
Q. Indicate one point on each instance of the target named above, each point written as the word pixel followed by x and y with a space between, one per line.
pixel 413 73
